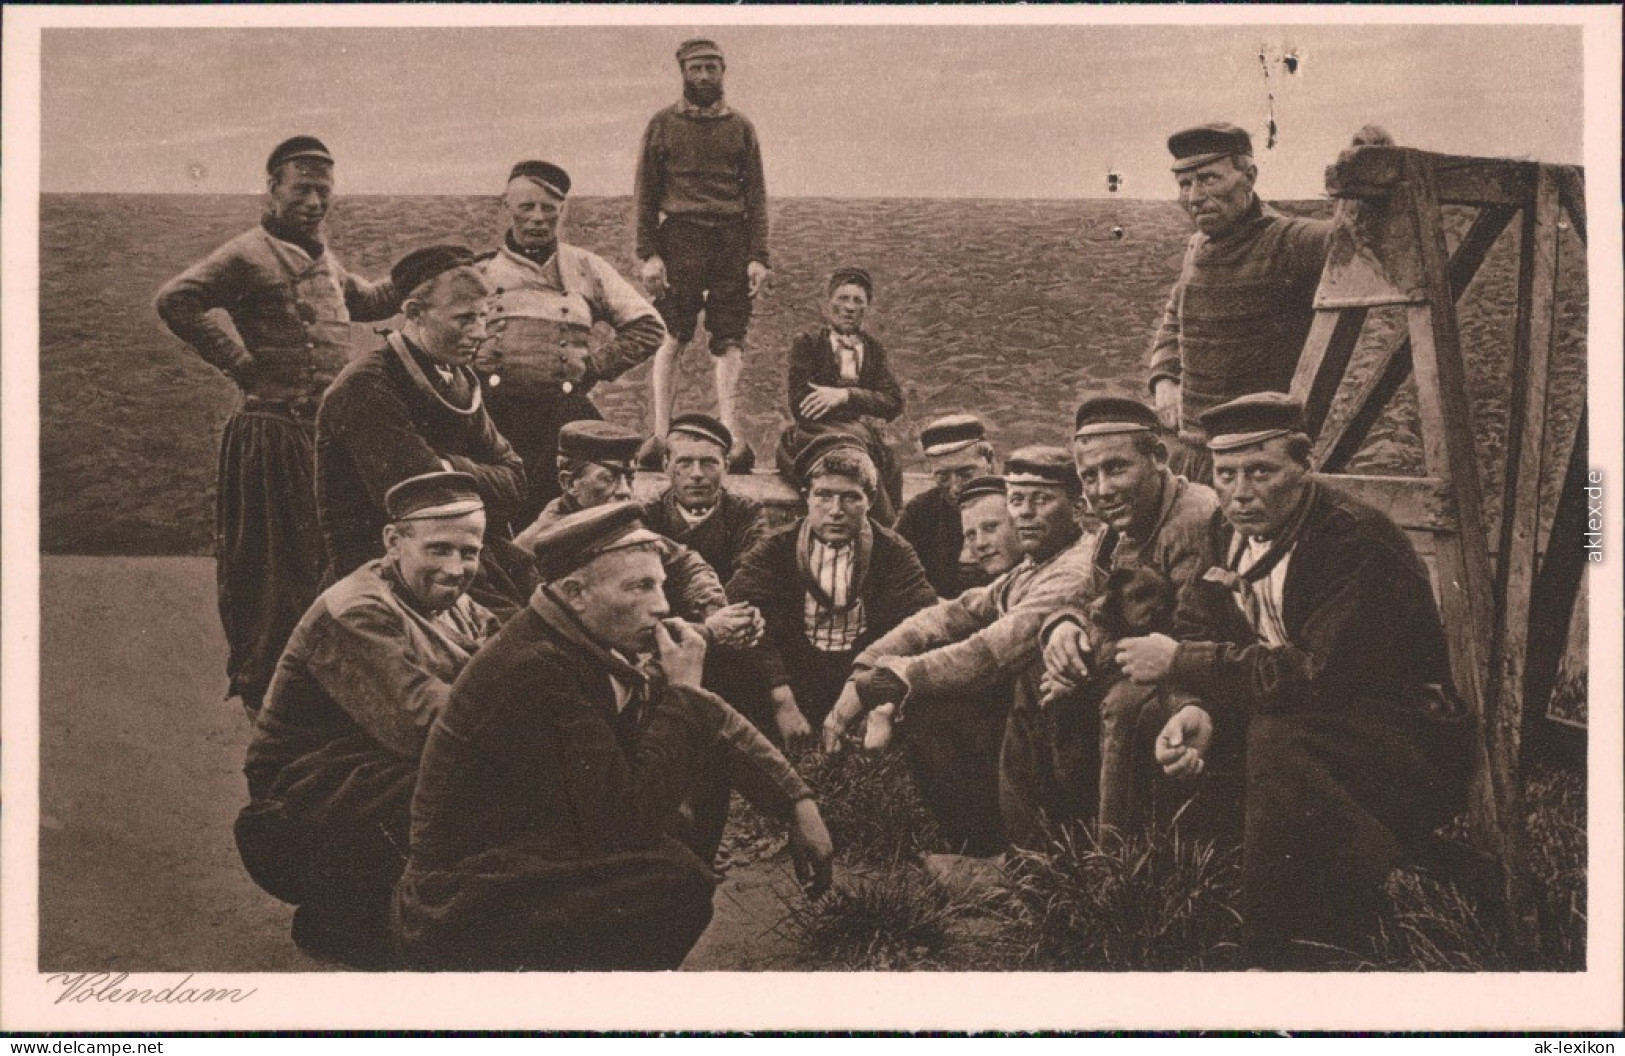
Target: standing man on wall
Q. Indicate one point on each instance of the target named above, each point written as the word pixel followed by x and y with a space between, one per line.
pixel 701 235
pixel 291 303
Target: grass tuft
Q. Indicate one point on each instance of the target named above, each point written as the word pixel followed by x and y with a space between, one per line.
pixel 870 804
pixel 894 920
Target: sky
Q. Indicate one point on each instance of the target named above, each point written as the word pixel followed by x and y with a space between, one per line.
pixel 841 111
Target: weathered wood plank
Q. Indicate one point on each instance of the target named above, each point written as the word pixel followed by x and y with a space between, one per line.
pixel 1325 359
pixel 1374 172
pixel 1556 587
pixel 1413 503
pixel 1571 188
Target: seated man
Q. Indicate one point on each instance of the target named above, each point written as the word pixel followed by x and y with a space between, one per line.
pixel 828 585
pixel 550 783
pixel 840 382
pixel 413 407
pixel 965 657
pixel 1317 634
pixel 697 509
pixel 956 450
pixel 335 751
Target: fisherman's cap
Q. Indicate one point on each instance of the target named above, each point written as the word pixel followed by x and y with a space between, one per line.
pixel 1106 415
pixel 1042 464
pixel 1252 419
pixel 577 539
pixel 422 265
pixel 821 447
pixel 548 175
pixel 603 442
pixel 703 427
pixel 850 276
pixel 951 433
pixel 306 147
pixel 698 48
pixel 980 488
pixel 433 496
pixel 1195 147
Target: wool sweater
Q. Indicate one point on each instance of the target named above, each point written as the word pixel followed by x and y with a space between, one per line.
pixel 703 169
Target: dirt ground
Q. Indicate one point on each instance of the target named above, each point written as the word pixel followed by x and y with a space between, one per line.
pixel 141 778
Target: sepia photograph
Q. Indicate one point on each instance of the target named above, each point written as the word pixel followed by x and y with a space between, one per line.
pixel 969 507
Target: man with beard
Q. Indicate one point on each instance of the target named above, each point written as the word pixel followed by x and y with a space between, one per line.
pixel 537 367
pixel 412 407
pixel 956 450
pixel 701 234
pixel 697 509
pixel 840 382
pixel 541 821
pixel 335 751
pixel 1316 636
pixel 970 661
pixel 291 303
pixel 829 585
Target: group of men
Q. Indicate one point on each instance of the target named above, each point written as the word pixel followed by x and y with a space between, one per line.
pixel 500 707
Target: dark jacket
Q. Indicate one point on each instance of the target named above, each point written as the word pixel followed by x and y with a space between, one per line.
pixel 389 417
pixel 723 538
pixel 813 361
pixel 932 526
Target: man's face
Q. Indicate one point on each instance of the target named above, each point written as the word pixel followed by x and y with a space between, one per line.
pixel 1042 514
pixel 1119 482
pixel 846 308
pixel 620 598
pixel 597 484
pixel 1259 487
pixel 958 468
pixel 990 535
pixel 301 194
pixel 836 508
pixel 533 213
pixel 437 559
pixel 702 81
pixel 695 468
pixel 450 322
pixel 1216 195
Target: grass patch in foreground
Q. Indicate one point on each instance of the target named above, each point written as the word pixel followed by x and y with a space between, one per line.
pixel 892 920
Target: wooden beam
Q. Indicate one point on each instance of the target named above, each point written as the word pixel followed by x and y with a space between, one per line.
pixel 1571 190
pixel 1369 173
pixel 1555 590
pixel 1413 503
pixel 1325 359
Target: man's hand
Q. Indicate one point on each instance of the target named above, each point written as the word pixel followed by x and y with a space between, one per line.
pixel 846 710
pixel 879 685
pixel 1373 136
pixel 1165 396
pixel 653 274
pixel 823 399
pixel 811 849
pixel 738 626
pixel 756 274
pixel 795 731
pixel 1066 655
pixel 1147 660
pixel 1183 742
pixel 681 649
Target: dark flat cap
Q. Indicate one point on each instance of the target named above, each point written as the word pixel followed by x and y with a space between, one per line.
pixel 982 487
pixel 578 538
pixel 297 147
pixel 1252 419
pixel 545 173
pixel 1105 415
pixel 421 265
pixel 1194 147
pixel 852 277
pixel 698 48
pixel 1042 464
pixel 433 496
pixel 703 427
pixel 595 441
pixel 950 433
pixel 819 448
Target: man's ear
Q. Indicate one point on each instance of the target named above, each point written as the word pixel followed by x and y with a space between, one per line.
pixel 392 538
pixel 570 590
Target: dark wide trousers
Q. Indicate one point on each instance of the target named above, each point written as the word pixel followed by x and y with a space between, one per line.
pixel 268 548
pixel 952 749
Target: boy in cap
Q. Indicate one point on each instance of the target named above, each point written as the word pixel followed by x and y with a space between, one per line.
pixel 334 756
pixel 701 202
pixel 415 406
pixel 541 821
pixel 1242 307
pixel 538 365
pixel 1316 636
pixel 291 303
pixel 959 665
pixel 956 450
pixel 840 382
pixel 828 585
